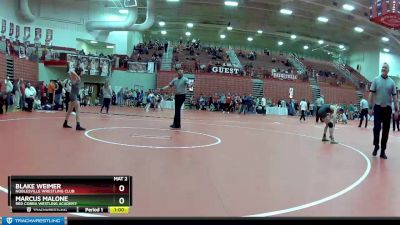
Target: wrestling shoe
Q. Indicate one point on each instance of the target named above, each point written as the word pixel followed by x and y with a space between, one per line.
pixel 65 125
pixel 324 139
pixel 383 154
pixel 375 152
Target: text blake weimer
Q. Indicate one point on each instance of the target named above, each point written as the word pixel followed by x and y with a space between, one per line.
pixel 41 189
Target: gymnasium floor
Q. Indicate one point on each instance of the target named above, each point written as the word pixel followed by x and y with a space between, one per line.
pixel 217 165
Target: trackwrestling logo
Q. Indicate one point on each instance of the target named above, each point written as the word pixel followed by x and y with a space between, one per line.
pixel 33 220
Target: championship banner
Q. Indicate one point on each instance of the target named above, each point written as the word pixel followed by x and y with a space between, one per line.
pixel 11 33
pixel 94 65
pixel 291 93
pixel 137 67
pixel 22 51
pixel 104 67
pixel 17 31
pixel 38 35
pixel 3 26
pixel 284 76
pixel 27 33
pixel 72 61
pixel 49 35
pixel 84 65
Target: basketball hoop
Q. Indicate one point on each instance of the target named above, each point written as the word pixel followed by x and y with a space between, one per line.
pixel 385 13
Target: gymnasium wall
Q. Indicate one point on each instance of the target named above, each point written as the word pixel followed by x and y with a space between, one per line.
pixel 277 90
pixel 118 78
pixel 338 95
pixel 26 69
pixel 368 58
pixel 68 25
pixel 3 67
pixel 209 84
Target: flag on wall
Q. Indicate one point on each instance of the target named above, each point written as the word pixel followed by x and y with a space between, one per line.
pixel 11 29
pixel 3 26
pixel 49 35
pixel 27 33
pixel 17 31
pixel 38 33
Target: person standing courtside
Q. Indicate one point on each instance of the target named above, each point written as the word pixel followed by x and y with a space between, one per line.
pixel 382 94
pixel 319 103
pixel 303 108
pixel 181 83
pixel 107 94
pixel 364 112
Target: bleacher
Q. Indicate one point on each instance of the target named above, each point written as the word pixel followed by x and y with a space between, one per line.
pixel 328 73
pixel 264 62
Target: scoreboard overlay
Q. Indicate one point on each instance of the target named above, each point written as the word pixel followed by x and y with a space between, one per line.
pixel 62 194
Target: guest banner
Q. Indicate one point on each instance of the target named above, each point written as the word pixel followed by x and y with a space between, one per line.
pixel 11 33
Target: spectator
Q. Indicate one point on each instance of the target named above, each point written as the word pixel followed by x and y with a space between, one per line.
pixel 30 94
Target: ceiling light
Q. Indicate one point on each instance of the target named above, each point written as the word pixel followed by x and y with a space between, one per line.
pixel 359 29
pixel 190 25
pixel 293 36
pixel 222 36
pixel 286 11
pixel 172 0
pixel 231 3
pixel 280 43
pixel 110 46
pixel 323 19
pixel 163 32
pixel 260 31
pixel 385 39
pixel 321 42
pixel 341 46
pixel 250 39
pixel 306 47
pixel 93 42
pixel 229 28
pixel 348 7
pixel 161 23
pixel 123 11
pixel 188 33
pixel 386 50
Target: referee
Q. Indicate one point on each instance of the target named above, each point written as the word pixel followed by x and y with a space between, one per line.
pixel 364 112
pixel 319 103
pixel 181 84
pixel 382 94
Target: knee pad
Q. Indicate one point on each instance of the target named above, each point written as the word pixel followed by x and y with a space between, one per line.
pixel 330 125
